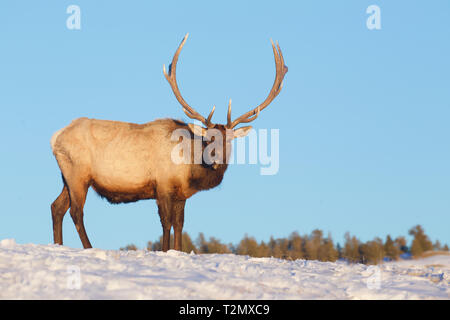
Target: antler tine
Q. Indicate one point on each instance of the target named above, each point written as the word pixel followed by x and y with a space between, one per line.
pixel 172 79
pixel 281 71
pixel 195 116
pixel 229 114
pixel 208 120
pixel 281 55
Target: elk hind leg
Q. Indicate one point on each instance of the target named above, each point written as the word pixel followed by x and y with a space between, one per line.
pixel 77 191
pixel 59 208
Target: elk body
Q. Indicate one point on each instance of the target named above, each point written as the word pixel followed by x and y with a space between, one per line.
pixel 127 162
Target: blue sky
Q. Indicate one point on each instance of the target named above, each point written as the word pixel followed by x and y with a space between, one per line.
pixel 363 115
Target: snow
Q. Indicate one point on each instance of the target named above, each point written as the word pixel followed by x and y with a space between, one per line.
pixel 32 271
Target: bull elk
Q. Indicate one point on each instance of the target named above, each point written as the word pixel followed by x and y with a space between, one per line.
pixel 127 162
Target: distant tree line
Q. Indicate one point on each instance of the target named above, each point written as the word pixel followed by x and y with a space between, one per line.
pixel 314 246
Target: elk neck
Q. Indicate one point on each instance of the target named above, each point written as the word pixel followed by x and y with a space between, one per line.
pixel 204 177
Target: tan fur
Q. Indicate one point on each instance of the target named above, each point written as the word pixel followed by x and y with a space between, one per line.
pixel 117 155
pixel 124 162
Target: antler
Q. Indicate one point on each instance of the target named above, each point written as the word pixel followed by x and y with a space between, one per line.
pixel 171 78
pixel 281 70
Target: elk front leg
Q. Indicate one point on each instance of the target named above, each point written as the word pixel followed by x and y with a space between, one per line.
pixel 177 222
pixel 165 215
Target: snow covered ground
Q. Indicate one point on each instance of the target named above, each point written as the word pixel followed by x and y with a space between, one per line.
pixel 56 272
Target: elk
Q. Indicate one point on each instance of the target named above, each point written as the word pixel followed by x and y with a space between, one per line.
pixel 126 162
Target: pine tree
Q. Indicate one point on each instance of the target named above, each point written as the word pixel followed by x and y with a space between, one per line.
pixel 248 246
pixel 130 247
pixel 278 248
pixel 202 245
pixel 274 248
pixel 372 252
pixel 215 246
pixel 295 247
pixel 339 250
pixel 421 242
pixel 314 247
pixel 437 245
pixel 350 252
pixel 187 244
pixel 330 253
pixel 390 249
pixel 400 244
pixel 263 250
pixel 149 246
pixel 313 244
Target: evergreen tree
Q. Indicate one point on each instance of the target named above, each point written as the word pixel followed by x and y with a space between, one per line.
pixel 212 246
pixel 187 245
pixel 330 253
pixel 313 244
pixel 264 250
pixel 274 249
pixel 421 242
pixel 339 250
pixel 295 247
pixel 202 245
pixel 130 247
pixel 372 252
pixel 248 246
pixel 154 246
pixel 390 249
pixel 278 248
pixel 350 252
pixel 400 244
pixel 313 247
pixel 215 246
pixel 437 245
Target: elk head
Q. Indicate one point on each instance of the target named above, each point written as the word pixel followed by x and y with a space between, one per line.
pixel 226 131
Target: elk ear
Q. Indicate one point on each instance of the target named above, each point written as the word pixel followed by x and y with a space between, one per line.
pixel 197 130
pixel 241 132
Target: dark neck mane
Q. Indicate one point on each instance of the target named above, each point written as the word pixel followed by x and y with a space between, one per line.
pixel 204 177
